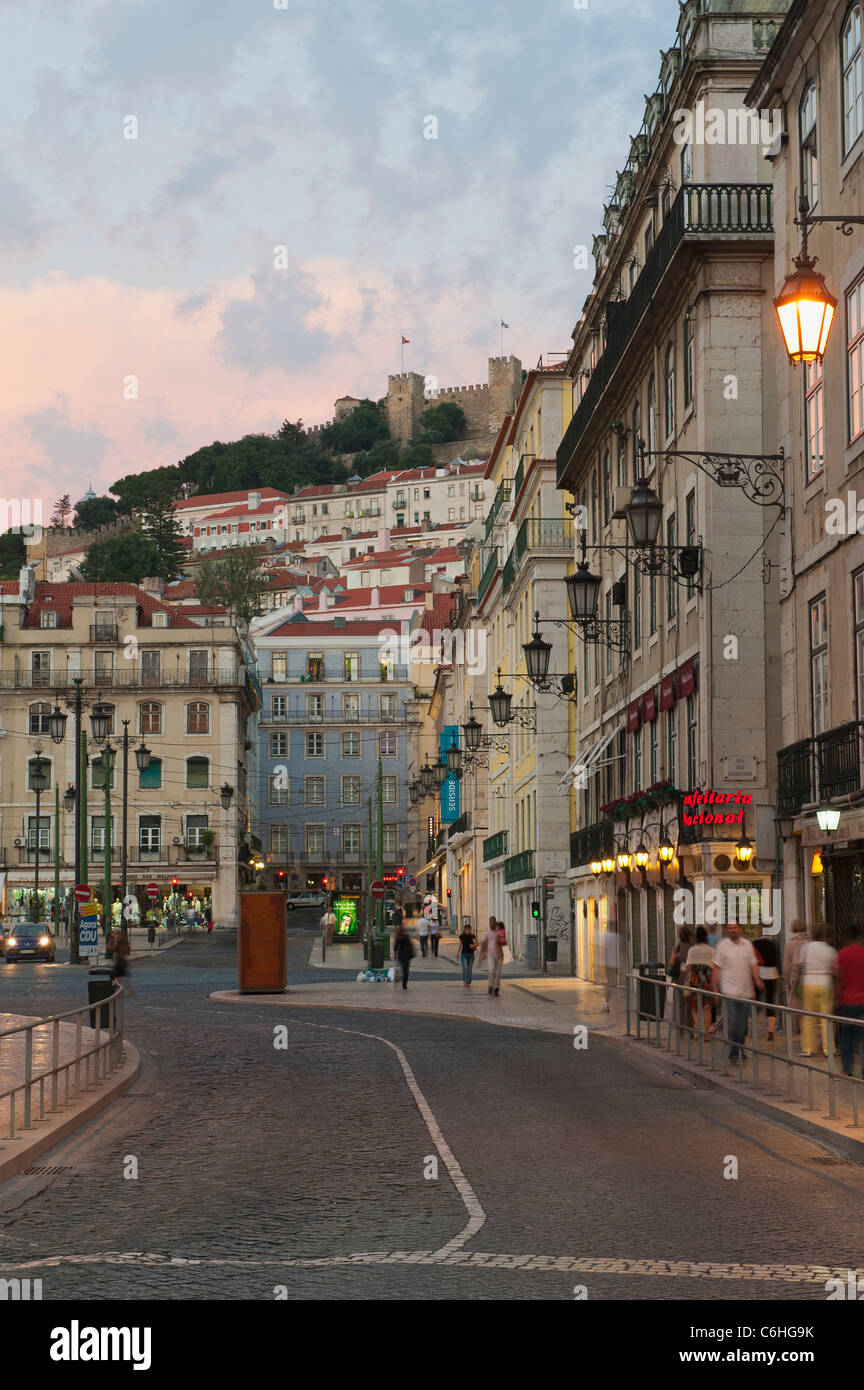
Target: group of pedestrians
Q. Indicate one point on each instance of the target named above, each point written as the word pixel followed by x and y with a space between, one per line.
pixel 819 980
pixel 493 950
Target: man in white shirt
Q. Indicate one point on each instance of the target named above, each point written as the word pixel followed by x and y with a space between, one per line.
pixel 736 977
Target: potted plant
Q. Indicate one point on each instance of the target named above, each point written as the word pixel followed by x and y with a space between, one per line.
pixel 206 839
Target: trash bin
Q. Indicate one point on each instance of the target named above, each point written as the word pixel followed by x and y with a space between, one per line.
pixel 532 952
pixel 376 954
pixel 551 949
pixel 99 986
pixel 151 935
pixel 652 989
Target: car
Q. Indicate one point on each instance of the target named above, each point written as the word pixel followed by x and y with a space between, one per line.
pixel 305 900
pixel 31 941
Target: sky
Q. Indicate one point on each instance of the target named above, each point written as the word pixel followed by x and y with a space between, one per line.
pixel 216 214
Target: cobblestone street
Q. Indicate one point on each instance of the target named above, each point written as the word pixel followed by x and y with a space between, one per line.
pixel 568 1167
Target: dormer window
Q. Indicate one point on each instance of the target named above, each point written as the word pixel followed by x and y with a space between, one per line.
pixel 48 618
pixel 160 619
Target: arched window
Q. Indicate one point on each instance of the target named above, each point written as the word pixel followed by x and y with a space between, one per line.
pixel 150 718
pixel 637 431
pixel 38 718
pixel 198 718
pixel 850 63
pixel 808 113
pixel 689 359
pixel 669 390
pixel 197 772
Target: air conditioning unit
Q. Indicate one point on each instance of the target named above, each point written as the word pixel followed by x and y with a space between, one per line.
pixel 176 840
pixel 18 840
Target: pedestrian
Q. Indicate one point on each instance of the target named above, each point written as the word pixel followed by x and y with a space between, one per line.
pixel 208 919
pixel 818 967
pixel 492 950
pixel 403 951
pixel 609 943
pixel 675 968
pixel 467 947
pixel 423 930
pixel 434 927
pixel 120 963
pixel 769 974
pixel 792 966
pixel 328 926
pixel 850 998
pixel 698 973
pixel 736 977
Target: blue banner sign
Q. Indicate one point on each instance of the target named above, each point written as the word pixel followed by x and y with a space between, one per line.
pixel 451 807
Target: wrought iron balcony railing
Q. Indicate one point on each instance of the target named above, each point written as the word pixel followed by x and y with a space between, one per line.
pixel 460 826
pixel 594 842
pixel 495 846
pixel 796 781
pixel 502 495
pixel 519 866
pixel 817 769
pixel 489 572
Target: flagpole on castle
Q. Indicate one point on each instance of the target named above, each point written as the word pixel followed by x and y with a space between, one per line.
pixel 402 354
pixel 503 326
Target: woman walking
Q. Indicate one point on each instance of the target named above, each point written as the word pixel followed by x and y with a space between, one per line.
pixel 403 951
pixel 769 974
pixel 675 970
pixel 818 968
pixel 492 950
pixel 700 964
pixel 467 947
pixel 423 932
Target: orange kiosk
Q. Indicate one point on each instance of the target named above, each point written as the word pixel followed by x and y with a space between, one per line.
pixel 261 959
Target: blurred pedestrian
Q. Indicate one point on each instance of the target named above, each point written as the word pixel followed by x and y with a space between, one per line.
pixel 434 927
pixel 736 977
pixel 850 998
pixel 792 967
pixel 769 974
pixel 609 944
pixel 467 947
pixel 492 951
pixel 698 974
pixel 328 925
pixel 818 967
pixel 675 969
pixel 403 951
pixel 423 932
pixel 120 960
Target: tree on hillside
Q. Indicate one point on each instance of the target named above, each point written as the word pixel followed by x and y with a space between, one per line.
pixel 366 424
pixel 233 581
pixel 383 454
pixel 161 524
pixel 417 455
pixel 93 512
pixel 13 554
pixel 62 513
pixel 121 559
pixel 291 433
pixel 134 489
pixel 440 424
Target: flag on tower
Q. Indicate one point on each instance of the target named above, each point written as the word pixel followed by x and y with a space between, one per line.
pixel 405 340
pixel 504 325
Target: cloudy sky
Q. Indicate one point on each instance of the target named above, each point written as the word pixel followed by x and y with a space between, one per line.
pixel 218 213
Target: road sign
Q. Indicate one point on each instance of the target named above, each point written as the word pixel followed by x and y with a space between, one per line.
pixel 153 891
pixel 377 890
pixel 411 881
pixel 82 893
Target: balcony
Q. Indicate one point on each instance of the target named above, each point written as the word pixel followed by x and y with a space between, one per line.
pixel 192 853
pixel 700 210
pixel 821 768
pixel 369 716
pixel 508 574
pixel 104 632
pixel 502 495
pixel 130 676
pixel 594 842
pixel 489 572
pixel 519 866
pixel 495 846
pixel 461 826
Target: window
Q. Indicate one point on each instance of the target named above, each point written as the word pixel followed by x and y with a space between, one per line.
pixel 46 773
pixel 351 841
pixel 451 490
pixel 44 835
pixel 104 668
pixel 279 666
pixel 151 667
pixel 314 666
pixel 637 433
pixel 689 359
pixel 351 707
pixel 451 513
pixel 389 795
pixel 280 839
pixel 671 586
pixel 351 744
pixel 672 744
pixel 150 835
pixel 388 706
pixel 315 707
pixel 653 757
pixel 594 535
pixel 387 667
pixel 150 718
pixel 814 416
pixel 315 791
pixel 314 745
pixel 649 238
pixel 622 459
pixel 199 665
pixel 278 745
pixel 669 390
pixel 652 606
pixel 855 357
pixel 38 719
pixel 316 841
pixel 198 718
pixel 637 759
pixel 195 828
pixel 350 666
pixel 607 487
pixel 637 609
pixel 686 164
pixel 278 707
pixel 807 138
pixel 197 772
pixel 651 421
pixel 48 618
pixel 858 609
pixel 690 529
pixel 850 57
pixel 151 778
pixel 819 663
pixel 692 770
pixel 97 835
pixel 98 773
pixel 278 790
pixel 387 745
pixel 391 842
pixel 351 791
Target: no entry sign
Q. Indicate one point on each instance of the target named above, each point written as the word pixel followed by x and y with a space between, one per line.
pixel 82 893
pixel 377 890
pixel 153 890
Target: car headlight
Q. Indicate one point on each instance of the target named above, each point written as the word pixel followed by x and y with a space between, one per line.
pixel 12 941
pixel 44 941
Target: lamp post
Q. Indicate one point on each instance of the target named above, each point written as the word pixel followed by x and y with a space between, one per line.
pixel 38 782
pixel 805 307
pixel 142 760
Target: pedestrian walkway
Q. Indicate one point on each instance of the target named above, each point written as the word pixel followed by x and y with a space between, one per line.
pixel 348 955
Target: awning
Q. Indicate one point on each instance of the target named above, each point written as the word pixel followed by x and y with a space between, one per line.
pixel 587 762
pixel 686 679
pixel 667 691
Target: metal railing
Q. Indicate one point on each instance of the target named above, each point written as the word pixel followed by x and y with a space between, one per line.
pixel 461 825
pixel 128 676
pixel 489 572
pixel 544 533
pixel 495 846
pixel 502 495
pixel 104 632
pixel 757 1065
pixel 814 769
pixel 594 842
pixel 519 866
pixel 96 1055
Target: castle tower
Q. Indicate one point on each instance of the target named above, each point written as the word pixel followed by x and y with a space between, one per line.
pixel 505 388
pixel 405 404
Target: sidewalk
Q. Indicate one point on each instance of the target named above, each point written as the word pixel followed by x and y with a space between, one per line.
pixel 348 955
pixel 559 1004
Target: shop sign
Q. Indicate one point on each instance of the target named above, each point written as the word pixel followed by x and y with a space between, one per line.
pixel 715 808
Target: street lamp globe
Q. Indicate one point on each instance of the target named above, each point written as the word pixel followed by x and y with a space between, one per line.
pixel 226 793
pixel 743 851
pixel 439 771
pixel 142 757
pixel 454 758
pixel 100 722
pixel 665 852
pixel 583 592
pixel 805 310
pixel 828 818
pixel 39 774
pixel 473 732
pixel 69 799
pixel 57 724
pixel 644 513
pixel 537 655
pixel 642 856
pixel 625 859
pixel 608 864
pixel 499 704
pixel 427 776
pixel 414 793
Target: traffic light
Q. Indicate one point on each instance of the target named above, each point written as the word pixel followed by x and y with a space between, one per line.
pixel 281 877
pixel 175 882
pixel 548 888
pixel 449 892
pixel 401 873
pixel 535 911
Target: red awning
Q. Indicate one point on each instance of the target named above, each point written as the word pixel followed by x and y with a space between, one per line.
pixel 633 717
pixel 686 680
pixel 649 705
pixel 667 691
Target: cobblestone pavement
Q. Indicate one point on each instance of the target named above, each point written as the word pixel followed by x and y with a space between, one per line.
pixel 304 1168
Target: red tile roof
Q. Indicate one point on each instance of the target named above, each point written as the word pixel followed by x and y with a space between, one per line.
pixel 348 628
pixel 58 597
pixel 216 499
pixel 381 557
